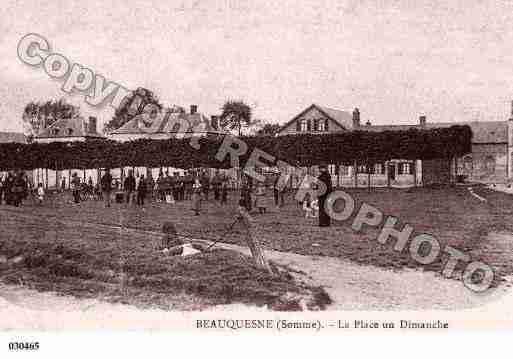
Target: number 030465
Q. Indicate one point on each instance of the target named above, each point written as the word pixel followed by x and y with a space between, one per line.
pixel 23 346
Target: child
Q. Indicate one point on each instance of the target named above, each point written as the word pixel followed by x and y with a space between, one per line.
pixel 260 198
pixel 311 208
pixel 40 193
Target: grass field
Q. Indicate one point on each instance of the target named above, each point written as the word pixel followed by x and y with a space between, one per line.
pixel 100 263
pixel 451 214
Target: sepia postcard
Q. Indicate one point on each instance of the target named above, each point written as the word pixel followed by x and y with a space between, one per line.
pixel 227 166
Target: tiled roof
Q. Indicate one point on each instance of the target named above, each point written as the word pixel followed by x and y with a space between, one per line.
pixel 482 131
pixel 167 123
pixel 77 126
pixel 344 118
pixel 6 137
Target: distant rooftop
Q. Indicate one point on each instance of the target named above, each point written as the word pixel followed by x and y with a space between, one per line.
pixel 10 137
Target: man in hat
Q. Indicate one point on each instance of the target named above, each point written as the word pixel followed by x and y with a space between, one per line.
pixel 325 178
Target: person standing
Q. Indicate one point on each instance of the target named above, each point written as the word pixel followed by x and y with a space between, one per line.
pixel 8 186
pixel 189 185
pixel 325 179
pixel 150 183
pixel 142 188
pixel 75 187
pixel 245 196
pixel 129 187
pixel 260 198
pixel 224 192
pixel 40 193
pixel 216 185
pixel 205 184
pixel 196 197
pixel 106 184
pixel 2 182
pixel 160 187
pixel 18 189
pixel 276 191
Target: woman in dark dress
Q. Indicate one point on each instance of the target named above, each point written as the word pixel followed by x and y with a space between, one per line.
pixel 324 177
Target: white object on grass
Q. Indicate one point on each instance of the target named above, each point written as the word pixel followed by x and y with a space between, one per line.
pixel 189 250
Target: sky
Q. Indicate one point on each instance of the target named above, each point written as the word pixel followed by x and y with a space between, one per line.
pixel 394 60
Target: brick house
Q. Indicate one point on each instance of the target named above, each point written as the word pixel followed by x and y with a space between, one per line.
pixel 489 162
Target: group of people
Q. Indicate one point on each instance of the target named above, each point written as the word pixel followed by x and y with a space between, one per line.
pixel 254 195
pixel 180 188
pixel 14 188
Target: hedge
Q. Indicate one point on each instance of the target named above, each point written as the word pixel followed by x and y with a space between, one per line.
pixel 298 150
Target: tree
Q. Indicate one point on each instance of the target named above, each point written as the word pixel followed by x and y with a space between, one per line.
pixel 132 105
pixel 268 129
pixel 39 115
pixel 235 115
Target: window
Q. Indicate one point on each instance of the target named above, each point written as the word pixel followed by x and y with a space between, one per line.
pixel 322 125
pixel 70 131
pixel 55 131
pixel 304 126
pixel 379 169
pixel 490 164
pixel 316 125
pixel 326 127
pixel 362 169
pixel 343 171
pixel 332 169
pixel 405 168
pixel 309 125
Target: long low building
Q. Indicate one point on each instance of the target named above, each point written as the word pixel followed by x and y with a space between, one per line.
pixel 489 162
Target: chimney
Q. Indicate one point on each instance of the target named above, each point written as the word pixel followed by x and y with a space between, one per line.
pixel 91 127
pixel 422 121
pixel 214 122
pixel 194 109
pixel 368 123
pixel 356 118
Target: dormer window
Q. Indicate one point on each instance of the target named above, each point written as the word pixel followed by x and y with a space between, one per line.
pixel 321 126
pixel 70 131
pixel 304 126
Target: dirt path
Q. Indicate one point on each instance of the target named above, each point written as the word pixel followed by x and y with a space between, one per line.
pixel 363 287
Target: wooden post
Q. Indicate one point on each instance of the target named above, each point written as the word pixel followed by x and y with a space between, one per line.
pixel 46 175
pixel 355 168
pixel 455 169
pixel 414 165
pixel 368 176
pixel 387 171
pixel 69 179
pixel 256 252
pixel 337 168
